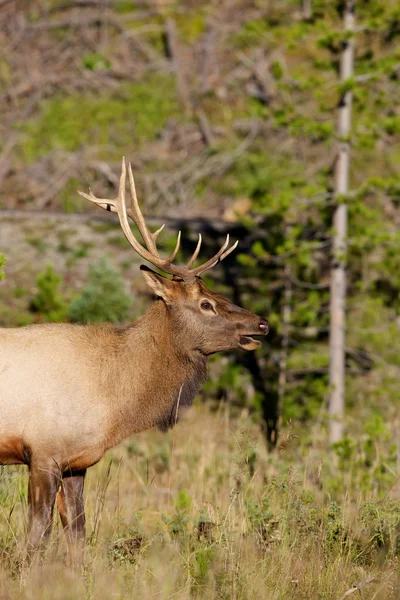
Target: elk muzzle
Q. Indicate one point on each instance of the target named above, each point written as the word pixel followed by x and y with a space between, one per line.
pixel 246 341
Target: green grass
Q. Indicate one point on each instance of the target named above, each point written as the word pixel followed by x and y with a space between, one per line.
pixel 137 113
pixel 191 25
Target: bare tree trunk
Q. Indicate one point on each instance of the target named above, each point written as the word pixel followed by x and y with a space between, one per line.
pixel 338 267
pixel 307 10
pixel 174 54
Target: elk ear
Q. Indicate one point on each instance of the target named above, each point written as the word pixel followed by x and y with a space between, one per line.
pixel 161 286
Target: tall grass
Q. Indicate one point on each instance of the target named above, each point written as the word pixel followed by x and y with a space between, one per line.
pixel 205 512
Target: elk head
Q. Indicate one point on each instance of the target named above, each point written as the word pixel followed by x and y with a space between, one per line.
pixel 201 320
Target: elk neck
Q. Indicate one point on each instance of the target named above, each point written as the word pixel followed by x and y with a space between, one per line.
pixel 153 374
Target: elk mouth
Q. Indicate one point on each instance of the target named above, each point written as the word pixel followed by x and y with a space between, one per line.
pixel 246 342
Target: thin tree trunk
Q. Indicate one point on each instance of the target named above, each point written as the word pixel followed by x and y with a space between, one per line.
pixel 307 10
pixel 286 317
pixel 174 55
pixel 338 267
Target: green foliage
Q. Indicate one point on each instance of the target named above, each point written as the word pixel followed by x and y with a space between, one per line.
pixel 277 70
pixel 95 62
pixel 381 527
pixel 251 33
pixel 260 517
pixel 103 297
pixel 177 524
pixel 191 25
pixel 48 301
pixel 201 566
pixel 283 179
pixel 101 120
pixel 183 501
pixel 344 450
pixel 2 263
pixel 271 182
pixel 233 381
pixel 391 124
pixel 38 243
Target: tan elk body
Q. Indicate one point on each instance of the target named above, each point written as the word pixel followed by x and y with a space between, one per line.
pixel 70 392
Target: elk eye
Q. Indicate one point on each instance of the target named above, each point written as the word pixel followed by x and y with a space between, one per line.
pixel 206 305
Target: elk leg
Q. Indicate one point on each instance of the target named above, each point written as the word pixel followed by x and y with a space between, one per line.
pixel 44 481
pixel 72 512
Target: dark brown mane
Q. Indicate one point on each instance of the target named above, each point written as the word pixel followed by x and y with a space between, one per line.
pixel 183 397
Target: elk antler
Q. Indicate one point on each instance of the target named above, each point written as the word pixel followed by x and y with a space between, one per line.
pixel 150 253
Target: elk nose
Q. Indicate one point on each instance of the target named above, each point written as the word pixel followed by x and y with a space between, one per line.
pixel 264 326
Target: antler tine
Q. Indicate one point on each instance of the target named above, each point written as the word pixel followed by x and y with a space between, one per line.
pixel 150 252
pixel 221 254
pixel 137 216
pixel 195 253
pixel 118 205
pixel 231 249
pixel 175 251
pixel 157 233
pixel 105 203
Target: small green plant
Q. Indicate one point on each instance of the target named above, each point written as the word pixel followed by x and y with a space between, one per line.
pixel 103 298
pixel 19 291
pixel 201 565
pixel 48 301
pixel 259 517
pixel 38 243
pixel 96 61
pixel 177 524
pixel 2 262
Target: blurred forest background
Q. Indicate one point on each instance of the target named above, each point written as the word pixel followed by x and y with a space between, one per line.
pixel 228 112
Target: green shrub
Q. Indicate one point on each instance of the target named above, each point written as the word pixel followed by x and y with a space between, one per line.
pixel 48 301
pixel 103 298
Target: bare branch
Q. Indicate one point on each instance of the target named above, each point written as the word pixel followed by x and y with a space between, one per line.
pixel 358 587
pixel 96 20
pixel 173 55
pixel 205 127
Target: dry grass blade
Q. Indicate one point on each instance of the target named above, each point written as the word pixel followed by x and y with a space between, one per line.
pixel 100 499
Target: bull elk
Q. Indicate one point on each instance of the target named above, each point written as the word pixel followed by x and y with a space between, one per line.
pixel 68 392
